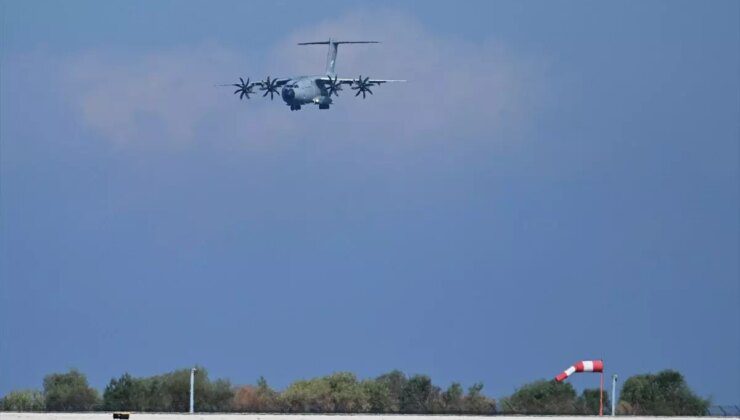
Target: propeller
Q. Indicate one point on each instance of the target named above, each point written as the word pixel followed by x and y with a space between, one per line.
pixel 245 88
pixel 334 86
pixel 269 86
pixel 362 86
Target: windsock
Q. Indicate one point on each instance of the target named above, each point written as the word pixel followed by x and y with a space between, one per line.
pixel 582 366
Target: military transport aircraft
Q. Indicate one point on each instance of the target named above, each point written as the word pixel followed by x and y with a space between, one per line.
pixel 302 90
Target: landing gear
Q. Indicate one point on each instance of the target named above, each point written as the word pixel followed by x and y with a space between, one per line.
pixel 324 106
pixel 295 107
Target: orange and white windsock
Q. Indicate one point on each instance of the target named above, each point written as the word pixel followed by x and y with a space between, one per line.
pixel 582 366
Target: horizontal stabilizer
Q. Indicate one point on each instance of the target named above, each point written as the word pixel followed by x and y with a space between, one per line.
pixel 338 42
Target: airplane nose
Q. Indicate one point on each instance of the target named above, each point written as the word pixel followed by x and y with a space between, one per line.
pixel 288 94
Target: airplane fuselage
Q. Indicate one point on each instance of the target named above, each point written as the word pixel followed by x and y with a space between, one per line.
pixel 304 90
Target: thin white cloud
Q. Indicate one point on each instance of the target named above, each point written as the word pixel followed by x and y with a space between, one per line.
pixel 157 97
pixel 455 88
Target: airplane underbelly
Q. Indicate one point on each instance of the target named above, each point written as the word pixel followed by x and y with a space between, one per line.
pixel 307 95
pixel 303 97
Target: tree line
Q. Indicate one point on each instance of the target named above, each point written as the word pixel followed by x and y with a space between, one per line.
pixel 665 393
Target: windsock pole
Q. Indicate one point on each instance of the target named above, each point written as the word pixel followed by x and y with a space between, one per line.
pixel 601 395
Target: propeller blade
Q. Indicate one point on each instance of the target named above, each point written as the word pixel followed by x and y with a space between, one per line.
pixel 244 88
pixel 334 86
pixel 358 93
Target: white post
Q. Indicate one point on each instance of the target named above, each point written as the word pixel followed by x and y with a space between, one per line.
pixel 192 390
pixel 614 392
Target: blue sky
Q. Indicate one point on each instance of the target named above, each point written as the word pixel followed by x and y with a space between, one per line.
pixel 558 181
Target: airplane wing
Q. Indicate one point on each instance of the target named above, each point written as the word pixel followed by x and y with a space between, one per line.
pixel 277 82
pixel 269 86
pixel 327 80
pixel 362 86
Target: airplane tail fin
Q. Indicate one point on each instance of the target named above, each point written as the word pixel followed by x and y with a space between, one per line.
pixel 331 57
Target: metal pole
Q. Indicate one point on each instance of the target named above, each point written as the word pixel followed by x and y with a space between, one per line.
pixel 614 392
pixel 192 390
pixel 601 396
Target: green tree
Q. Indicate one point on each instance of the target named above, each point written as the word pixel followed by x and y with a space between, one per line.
pixel 378 397
pixel 663 394
pixel 589 401
pixel 453 399
pixel 69 392
pixel 311 396
pixel 543 397
pixel 219 394
pixel 23 400
pixel 169 392
pixel 174 391
pixel 124 393
pixel 347 394
pixel 394 381
pixel 477 403
pixel 152 398
pixel 336 393
pixel 419 395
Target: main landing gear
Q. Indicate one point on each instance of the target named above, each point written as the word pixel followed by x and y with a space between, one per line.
pixel 324 106
pixel 295 107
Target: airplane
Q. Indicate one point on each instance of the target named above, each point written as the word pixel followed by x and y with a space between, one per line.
pixel 318 89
